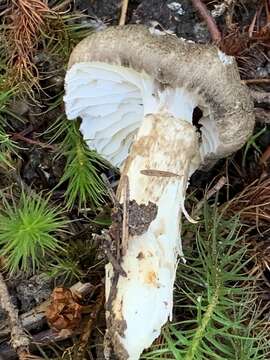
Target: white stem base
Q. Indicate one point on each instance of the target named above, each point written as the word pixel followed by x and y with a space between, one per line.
pixel 157 170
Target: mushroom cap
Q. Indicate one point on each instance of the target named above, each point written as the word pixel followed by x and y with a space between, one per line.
pixel 202 70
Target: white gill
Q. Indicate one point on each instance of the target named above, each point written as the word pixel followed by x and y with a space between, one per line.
pixel 112 100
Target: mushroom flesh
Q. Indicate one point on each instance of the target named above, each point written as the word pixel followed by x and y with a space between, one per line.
pixel 136 91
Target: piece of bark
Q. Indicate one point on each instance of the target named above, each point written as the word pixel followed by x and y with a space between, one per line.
pixel 36 317
pixel 30 320
pixel 20 341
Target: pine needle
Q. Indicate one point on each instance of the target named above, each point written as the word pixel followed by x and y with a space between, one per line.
pixel 215 301
pixel 28 233
pixel 24 22
pixel 84 185
pixel 8 147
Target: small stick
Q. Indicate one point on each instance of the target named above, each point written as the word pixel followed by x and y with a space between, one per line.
pixel 252 25
pixel 106 242
pixel 36 317
pixel 210 22
pixel 229 14
pixel 125 216
pixel 116 266
pixel 19 340
pixel 265 156
pixel 123 13
pixel 87 329
pixel 32 142
pixel 220 183
pixel 110 190
pixel 256 81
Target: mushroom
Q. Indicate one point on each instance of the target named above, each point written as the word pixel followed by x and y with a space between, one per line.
pixel 136 91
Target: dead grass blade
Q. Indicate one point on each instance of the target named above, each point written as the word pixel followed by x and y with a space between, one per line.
pixel 253 203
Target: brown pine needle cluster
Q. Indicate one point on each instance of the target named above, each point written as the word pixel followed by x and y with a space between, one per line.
pixel 253 206
pixel 260 254
pixel 25 21
pixel 253 203
pixel 256 33
pixel 246 42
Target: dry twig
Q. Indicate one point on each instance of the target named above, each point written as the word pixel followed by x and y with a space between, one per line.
pixel 88 328
pixel 125 228
pixel 21 137
pixel 212 191
pixel 219 185
pixel 210 22
pixel 36 317
pixel 265 156
pixel 123 13
pixel 256 81
pixel 110 190
pixel 106 242
pixel 19 340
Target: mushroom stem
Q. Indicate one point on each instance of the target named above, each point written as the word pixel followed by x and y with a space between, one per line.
pixel 157 170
